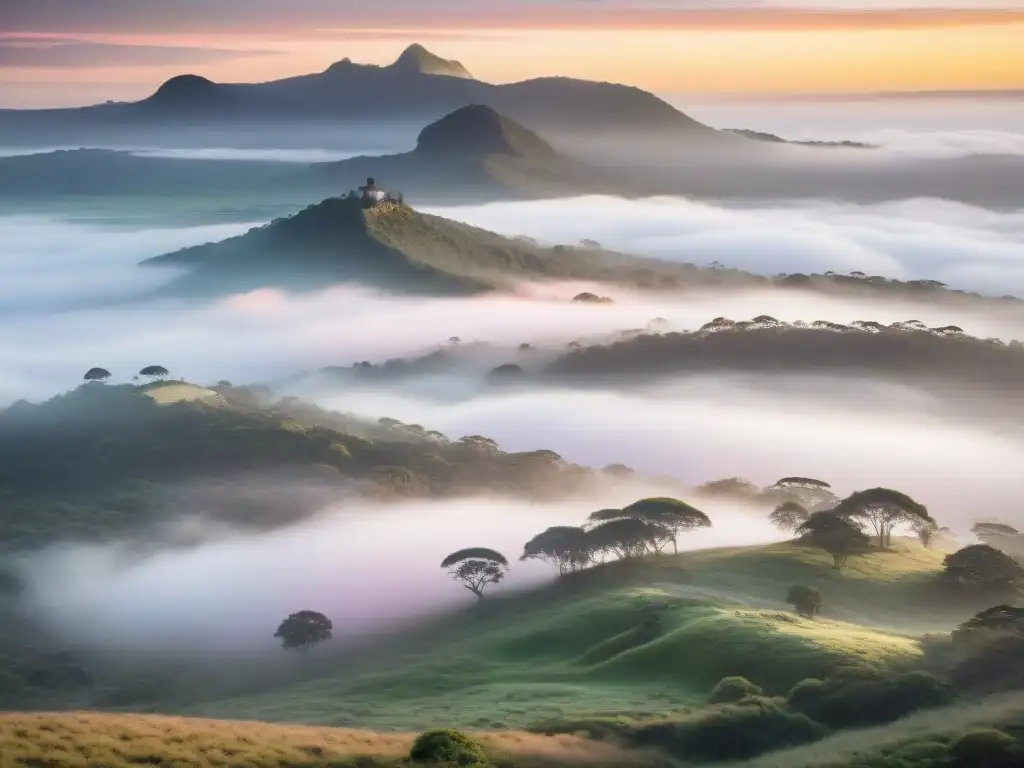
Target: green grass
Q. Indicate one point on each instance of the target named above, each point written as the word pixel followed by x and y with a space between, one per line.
pixel 585 651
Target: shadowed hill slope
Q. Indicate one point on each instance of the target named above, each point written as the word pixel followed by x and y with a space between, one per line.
pixel 394 247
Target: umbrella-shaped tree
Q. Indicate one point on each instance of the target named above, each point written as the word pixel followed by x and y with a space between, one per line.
pixel 476 568
pixel 97 374
pixel 882 509
pixel 564 546
pixel 154 372
pixel 671 515
pixel 813 494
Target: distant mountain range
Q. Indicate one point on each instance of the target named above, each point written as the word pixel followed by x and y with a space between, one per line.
pixel 471 154
pixel 419 87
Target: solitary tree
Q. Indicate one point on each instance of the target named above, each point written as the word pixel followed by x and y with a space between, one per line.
pixel 882 509
pixel 304 629
pixel 834 534
pixel 805 600
pixel 97 374
pixel 926 530
pixel 564 546
pixel 476 568
pixel 154 372
pixel 983 568
pixel 788 516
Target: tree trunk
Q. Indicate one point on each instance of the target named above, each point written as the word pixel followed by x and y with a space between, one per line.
pixel 675 546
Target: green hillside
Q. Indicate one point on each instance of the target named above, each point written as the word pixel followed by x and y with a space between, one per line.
pixel 392 246
pixel 617 641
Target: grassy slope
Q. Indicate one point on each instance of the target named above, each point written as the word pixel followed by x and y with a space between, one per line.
pixel 583 652
pixel 78 740
pixel 169 392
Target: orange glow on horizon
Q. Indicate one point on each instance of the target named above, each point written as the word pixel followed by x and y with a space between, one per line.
pixel 672 60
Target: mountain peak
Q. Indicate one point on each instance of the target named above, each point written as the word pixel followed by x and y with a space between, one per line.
pixel 185 89
pixel 416 58
pixel 479 130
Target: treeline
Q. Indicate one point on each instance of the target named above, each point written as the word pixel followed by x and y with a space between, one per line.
pixel 907 350
pixel 102 460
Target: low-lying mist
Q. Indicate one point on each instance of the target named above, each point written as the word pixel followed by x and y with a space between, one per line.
pixel 366 567
pixel 966 247
pixel 853 433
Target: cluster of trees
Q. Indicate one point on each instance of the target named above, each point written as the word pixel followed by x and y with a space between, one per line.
pixel 644 527
pixel 151 372
pixel 900 351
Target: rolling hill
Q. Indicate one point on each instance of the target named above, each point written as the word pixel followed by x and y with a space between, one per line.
pixel 416 88
pixel 474 154
pixel 394 247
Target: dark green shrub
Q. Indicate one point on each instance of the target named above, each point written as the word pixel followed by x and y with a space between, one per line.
pixel 805 600
pixel 446 745
pixel 731 689
pixel 986 747
pixel 732 731
pixel 997 665
pixel 853 698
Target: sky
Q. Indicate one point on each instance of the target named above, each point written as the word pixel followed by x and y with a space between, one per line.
pixel 70 52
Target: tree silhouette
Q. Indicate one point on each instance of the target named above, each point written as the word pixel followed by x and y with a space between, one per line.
pixel 625 537
pixel 154 372
pixel 788 516
pixel 476 568
pixel 97 374
pixel 926 530
pixel 805 600
pixel 304 629
pixel 1001 536
pixel 834 534
pixel 670 514
pixel 564 546
pixel 815 495
pixel 883 509
pixel 983 568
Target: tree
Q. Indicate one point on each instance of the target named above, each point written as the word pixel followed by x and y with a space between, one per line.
pixel 625 537
pixel 814 495
pixel 983 568
pixel 999 619
pixel 671 514
pixel 304 629
pixel 834 534
pixel 926 530
pixel 789 515
pixel 1001 536
pixel 97 374
pixel 476 568
pixel 154 372
pixel 730 487
pixel 883 509
pixel 564 546
pixel 805 600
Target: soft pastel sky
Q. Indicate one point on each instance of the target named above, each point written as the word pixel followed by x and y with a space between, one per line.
pixel 63 52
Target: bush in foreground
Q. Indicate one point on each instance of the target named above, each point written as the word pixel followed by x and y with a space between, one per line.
pixel 731 689
pixel 732 731
pixel 446 745
pixel 854 698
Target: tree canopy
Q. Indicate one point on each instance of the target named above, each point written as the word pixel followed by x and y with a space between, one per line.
pixel 304 629
pixel 882 509
pixel 834 534
pixel 662 513
pixel 985 568
pixel 789 515
pixel 97 374
pixel 476 568
pixel 154 371
pixel 564 546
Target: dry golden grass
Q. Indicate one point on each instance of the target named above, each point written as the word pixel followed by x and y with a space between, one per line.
pixel 93 740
